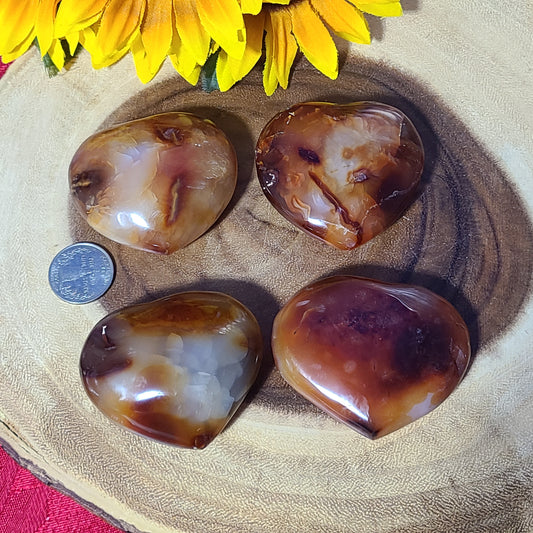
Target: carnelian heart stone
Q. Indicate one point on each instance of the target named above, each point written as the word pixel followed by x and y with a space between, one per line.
pixel 175 369
pixel 156 183
pixel 342 173
pixel 374 355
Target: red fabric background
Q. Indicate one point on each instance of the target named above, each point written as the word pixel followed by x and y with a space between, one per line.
pixel 3 68
pixel 29 506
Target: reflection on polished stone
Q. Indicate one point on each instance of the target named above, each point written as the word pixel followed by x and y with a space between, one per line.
pixel 342 173
pixel 374 355
pixel 175 369
pixel 156 183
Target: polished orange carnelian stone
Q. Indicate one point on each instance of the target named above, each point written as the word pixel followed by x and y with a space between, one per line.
pixel 175 369
pixel 342 173
pixel 374 355
pixel 156 183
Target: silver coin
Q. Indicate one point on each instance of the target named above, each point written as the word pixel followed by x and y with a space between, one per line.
pixel 81 273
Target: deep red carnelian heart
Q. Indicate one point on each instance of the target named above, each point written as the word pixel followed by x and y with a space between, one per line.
pixel 375 355
pixel 342 173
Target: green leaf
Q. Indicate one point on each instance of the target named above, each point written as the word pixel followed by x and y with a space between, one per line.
pixel 49 66
pixel 48 63
pixel 208 76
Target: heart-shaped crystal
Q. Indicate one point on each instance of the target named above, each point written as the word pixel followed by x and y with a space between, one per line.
pixel 156 183
pixel 342 173
pixel 374 355
pixel 175 369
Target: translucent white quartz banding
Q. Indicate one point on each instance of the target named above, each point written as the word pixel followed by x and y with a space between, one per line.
pixel 175 369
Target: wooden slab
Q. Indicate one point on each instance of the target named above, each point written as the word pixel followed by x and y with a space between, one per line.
pixel 461 74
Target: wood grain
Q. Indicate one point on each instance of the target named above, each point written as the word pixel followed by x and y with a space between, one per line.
pixel 282 465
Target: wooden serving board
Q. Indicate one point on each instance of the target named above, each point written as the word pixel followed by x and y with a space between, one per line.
pixel 462 73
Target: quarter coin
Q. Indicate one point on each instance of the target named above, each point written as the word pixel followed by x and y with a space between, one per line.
pixel 81 273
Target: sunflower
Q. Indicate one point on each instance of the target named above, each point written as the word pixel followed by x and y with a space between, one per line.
pixel 26 22
pixel 236 32
pixel 304 25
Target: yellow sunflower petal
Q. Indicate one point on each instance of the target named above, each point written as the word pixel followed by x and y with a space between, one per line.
pixel 73 40
pixel 18 19
pixel 20 49
pixel 57 54
pixel 284 46
pixel 184 62
pixel 74 15
pixel 88 41
pixel 270 77
pixel 225 77
pixel 190 30
pixel 253 7
pixel 344 19
pixel 142 66
pixel 254 46
pixel 223 21
pixel 380 8
pixel 87 38
pixel 231 70
pixel 120 21
pixel 99 61
pixel 314 39
pixel 44 24
pixel 156 35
